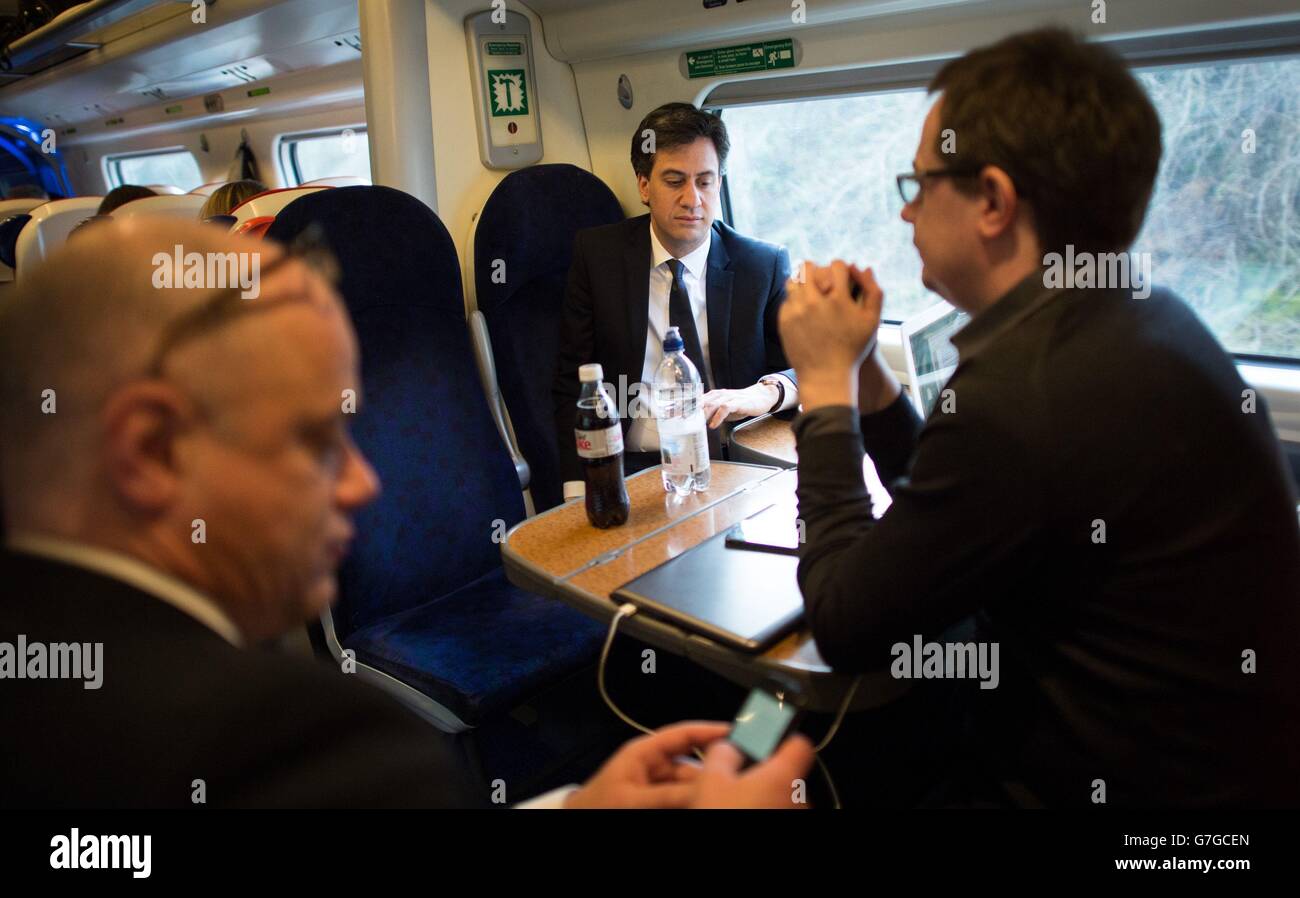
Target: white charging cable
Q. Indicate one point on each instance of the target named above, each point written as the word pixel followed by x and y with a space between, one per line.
pixel 627 609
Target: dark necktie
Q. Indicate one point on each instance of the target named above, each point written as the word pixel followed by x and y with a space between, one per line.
pixel 681 317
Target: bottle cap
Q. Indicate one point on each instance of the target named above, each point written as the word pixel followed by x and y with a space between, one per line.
pixel 589 373
pixel 673 340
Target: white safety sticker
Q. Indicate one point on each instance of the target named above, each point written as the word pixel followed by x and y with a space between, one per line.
pixel 599 443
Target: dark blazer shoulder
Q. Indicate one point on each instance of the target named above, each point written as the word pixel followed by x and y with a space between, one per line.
pixel 749 248
pixel 259 727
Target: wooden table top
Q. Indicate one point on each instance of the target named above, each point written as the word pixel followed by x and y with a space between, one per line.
pixel 769 436
pixel 591 564
pixel 769 440
pixel 558 553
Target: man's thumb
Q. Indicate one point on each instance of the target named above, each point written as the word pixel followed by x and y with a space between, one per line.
pixel 792 760
pixel 722 757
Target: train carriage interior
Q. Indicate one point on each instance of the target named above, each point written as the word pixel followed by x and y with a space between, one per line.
pixel 999 510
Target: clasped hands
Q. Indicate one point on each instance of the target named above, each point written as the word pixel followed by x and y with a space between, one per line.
pixel 826 333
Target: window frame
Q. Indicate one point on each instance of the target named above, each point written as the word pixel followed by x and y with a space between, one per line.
pixel 112 162
pixel 1234 44
pixel 286 149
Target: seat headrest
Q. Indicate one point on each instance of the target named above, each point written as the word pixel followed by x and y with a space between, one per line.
pixel 529 221
pixel 50 226
pixel 391 248
pixel 338 181
pixel 13 207
pixel 268 204
pixel 206 190
pixel 185 206
pixel 254 228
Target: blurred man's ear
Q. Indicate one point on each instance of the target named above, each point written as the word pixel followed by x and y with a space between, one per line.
pixel 643 185
pixel 1001 204
pixel 140 425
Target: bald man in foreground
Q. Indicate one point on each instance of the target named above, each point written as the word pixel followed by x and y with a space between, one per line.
pixel 178 482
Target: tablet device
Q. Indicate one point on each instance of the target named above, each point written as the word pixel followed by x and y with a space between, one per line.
pixel 747 600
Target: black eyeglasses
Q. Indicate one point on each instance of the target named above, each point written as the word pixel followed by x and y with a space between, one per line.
pixel 909 183
pixel 309 247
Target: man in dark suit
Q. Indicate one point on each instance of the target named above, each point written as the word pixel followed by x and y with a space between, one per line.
pixel 676 266
pixel 178 484
pixel 1096 483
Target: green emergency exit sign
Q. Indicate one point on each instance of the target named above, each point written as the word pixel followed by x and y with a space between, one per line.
pixel 740 58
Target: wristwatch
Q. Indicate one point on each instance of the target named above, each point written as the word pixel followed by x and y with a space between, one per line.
pixel 780 391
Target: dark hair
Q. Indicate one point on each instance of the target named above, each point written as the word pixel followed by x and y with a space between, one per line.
pixel 1070 126
pixel 677 125
pixel 120 196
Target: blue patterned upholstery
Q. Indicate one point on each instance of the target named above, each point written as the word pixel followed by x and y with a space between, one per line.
pixel 530 222
pixel 485 647
pixel 422 596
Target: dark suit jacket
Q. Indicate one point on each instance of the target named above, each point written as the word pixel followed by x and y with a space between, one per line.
pixel 607 313
pixel 178 703
pixel 1123 650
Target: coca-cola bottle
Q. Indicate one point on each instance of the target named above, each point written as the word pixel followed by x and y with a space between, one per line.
pixel 600 446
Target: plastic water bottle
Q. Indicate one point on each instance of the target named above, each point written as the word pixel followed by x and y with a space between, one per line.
pixel 683 440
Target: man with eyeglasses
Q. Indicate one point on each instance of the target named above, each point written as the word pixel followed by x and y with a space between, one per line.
pixel 1101 490
pixel 178 485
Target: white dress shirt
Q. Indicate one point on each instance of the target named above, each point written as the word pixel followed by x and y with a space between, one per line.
pixel 643 431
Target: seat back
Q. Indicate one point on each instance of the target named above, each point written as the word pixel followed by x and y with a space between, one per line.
pixel 50 225
pixel 15 207
pixel 185 206
pixel 424 422
pixel 529 223
pixel 206 190
pixel 165 189
pixel 254 215
pixel 338 181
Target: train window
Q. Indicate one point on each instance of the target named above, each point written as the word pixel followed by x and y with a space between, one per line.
pixel 309 157
pixel 174 167
pixel 817 176
pixel 1222 229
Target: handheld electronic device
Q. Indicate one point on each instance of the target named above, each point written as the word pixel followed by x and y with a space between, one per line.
pixel 764 720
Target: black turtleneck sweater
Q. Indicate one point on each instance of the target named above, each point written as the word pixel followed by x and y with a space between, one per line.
pixel 1106 502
